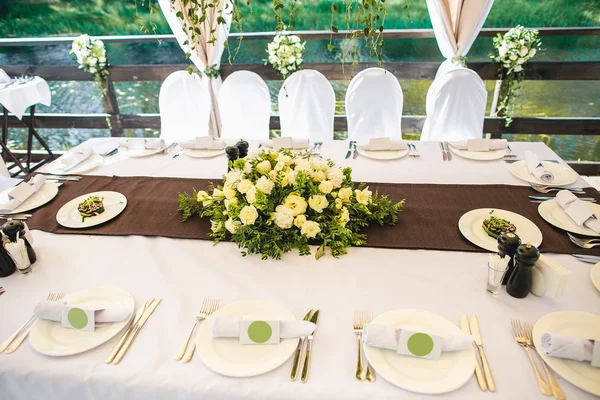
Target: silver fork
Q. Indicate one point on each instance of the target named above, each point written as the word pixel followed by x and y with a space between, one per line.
pixel 15 346
pixel 548 189
pixel 584 243
pixel 448 152
pixel 414 150
pixel 444 154
pixel 208 307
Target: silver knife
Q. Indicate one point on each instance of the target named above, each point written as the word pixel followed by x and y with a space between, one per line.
pixel 553 198
pixel 355 151
pixel 464 326
pixel 474 325
pixel 587 258
pixel 349 149
pixel 444 156
pixel 304 375
pixel 448 152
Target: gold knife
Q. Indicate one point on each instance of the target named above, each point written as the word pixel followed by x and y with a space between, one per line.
pixel 118 346
pixel 486 368
pixel 304 375
pixel 296 363
pixel 147 313
pixel 464 326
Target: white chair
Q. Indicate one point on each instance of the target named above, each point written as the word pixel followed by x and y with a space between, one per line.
pixel 307 106
pixel 3 170
pixel 455 106
pixel 184 103
pixel 245 106
pixel 374 102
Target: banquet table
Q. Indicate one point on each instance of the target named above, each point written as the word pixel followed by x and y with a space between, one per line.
pixel 184 271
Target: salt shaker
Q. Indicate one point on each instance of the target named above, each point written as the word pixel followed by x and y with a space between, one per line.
pixel 508 243
pixel 520 281
pixel 243 147
pixel 17 242
pixel 232 155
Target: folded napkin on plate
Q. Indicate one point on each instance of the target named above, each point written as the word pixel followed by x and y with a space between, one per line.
pixel 144 144
pixel 237 327
pixel 577 210
pixel 287 143
pixel 392 338
pixel 571 347
pixel 52 311
pixel 536 168
pixel 22 192
pixel 204 143
pixel 480 144
pixel 549 278
pixel 70 160
pixel 382 144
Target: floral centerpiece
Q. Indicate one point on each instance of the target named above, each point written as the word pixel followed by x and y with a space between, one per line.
pixel 276 201
pixel 285 53
pixel 512 52
pixel 91 56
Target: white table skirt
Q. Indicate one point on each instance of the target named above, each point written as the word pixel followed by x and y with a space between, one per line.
pixel 182 272
pixel 17 98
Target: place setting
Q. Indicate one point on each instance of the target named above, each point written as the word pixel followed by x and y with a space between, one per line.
pixel 382 148
pixel 78 161
pixel 143 147
pixel 202 147
pixel 27 196
pixel 546 173
pixel 478 149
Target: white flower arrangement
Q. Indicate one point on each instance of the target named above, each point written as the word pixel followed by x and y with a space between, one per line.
pixel 512 51
pixel 276 201
pixel 285 53
pixel 91 56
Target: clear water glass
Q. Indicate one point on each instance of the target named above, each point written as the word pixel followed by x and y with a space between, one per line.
pixel 495 276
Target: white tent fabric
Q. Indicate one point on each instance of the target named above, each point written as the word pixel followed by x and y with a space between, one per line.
pixel 374 102
pixel 185 105
pixel 307 106
pixel 456 104
pixel 245 105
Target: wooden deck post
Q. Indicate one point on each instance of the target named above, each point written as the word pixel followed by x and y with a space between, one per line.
pixel 111 107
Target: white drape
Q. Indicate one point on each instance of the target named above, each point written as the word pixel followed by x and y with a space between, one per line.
pixel 374 102
pixel 185 105
pixel 307 106
pixel 245 105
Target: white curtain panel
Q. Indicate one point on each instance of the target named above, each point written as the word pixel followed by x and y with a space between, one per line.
pixel 307 106
pixel 374 102
pixel 245 105
pixel 185 105
pixel 456 104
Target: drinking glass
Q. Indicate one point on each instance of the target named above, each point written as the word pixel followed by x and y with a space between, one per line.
pixel 495 276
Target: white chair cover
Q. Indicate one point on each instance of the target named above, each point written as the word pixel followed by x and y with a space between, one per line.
pixel 185 105
pixel 307 106
pixel 3 170
pixel 245 105
pixel 374 102
pixel 456 104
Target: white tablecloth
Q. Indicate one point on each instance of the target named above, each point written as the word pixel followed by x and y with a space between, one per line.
pixel 182 272
pixel 17 98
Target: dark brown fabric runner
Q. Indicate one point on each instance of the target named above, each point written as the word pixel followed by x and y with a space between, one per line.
pixel 429 220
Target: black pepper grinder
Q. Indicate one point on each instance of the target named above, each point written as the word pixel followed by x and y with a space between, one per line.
pixel 243 147
pixel 15 231
pixel 519 283
pixel 508 243
pixel 232 155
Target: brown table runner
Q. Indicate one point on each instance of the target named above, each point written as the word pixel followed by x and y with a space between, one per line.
pixel 429 220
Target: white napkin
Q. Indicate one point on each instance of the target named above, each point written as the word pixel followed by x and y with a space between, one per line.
pixel 70 160
pixel 144 144
pixel 536 168
pixel 229 327
pixel 287 143
pixel 577 210
pixel 22 192
pixel 386 337
pixel 549 278
pixel 571 347
pixel 204 143
pixel 480 144
pixel 382 144
pixel 52 311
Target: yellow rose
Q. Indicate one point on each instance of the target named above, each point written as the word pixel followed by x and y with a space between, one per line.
pixel 326 187
pixel 344 217
pixel 345 194
pixel 338 203
pixel 218 194
pixel 232 225
pixel 300 220
pixel 202 196
pixel 318 176
pixel 229 192
pixel 363 196
pixel 244 186
pixel 310 229
pixel 318 202
pixel 295 203
pixel 248 215
pixel 263 167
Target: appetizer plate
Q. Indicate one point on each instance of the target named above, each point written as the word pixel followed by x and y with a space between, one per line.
pixel 555 215
pixel 573 323
pixel 49 338
pixel 470 225
pixel 227 357
pixel 595 275
pixel 383 154
pixel 449 373
pixel 93 161
pixel 479 155
pixel 46 193
pixel 563 174
pixel 140 153
pixel 69 217
pixel 196 153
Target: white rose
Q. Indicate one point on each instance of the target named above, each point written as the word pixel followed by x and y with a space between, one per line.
pixel 318 176
pixel 265 185
pixel 248 215
pixel 291 176
pixel 232 225
pixel 218 194
pixel 284 159
pixel 318 202
pixel 216 226
pixel 251 195
pixel 295 203
pixel 345 194
pixel 338 203
pixel 336 176
pixel 202 196
pixel 524 51
pixel 363 196
pixel 233 177
pixel 518 68
pixel 326 187
pixel 229 192
pixel 303 165
pixel 231 202
pixel 263 167
pixel 310 229
pixel 344 217
pixel 244 186
pixel 300 220
pixel 532 53
pixel 283 217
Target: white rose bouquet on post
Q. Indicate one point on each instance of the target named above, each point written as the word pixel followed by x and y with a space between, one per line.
pixel 512 51
pixel 91 56
pixel 285 53
pixel 277 201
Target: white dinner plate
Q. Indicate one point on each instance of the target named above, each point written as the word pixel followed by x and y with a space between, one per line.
pixel 47 192
pixel 196 153
pixel 479 155
pixel 573 323
pixel 69 217
pixel 227 357
pixel 49 338
pixel 93 161
pixel 470 225
pixel 555 215
pixel 140 153
pixel 595 275
pixel 563 174
pixel 419 375
pixel 383 154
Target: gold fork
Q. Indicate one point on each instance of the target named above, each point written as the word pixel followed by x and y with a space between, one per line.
pixel 208 307
pixel 521 338
pixel 556 390
pixel 360 319
pixel 17 344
